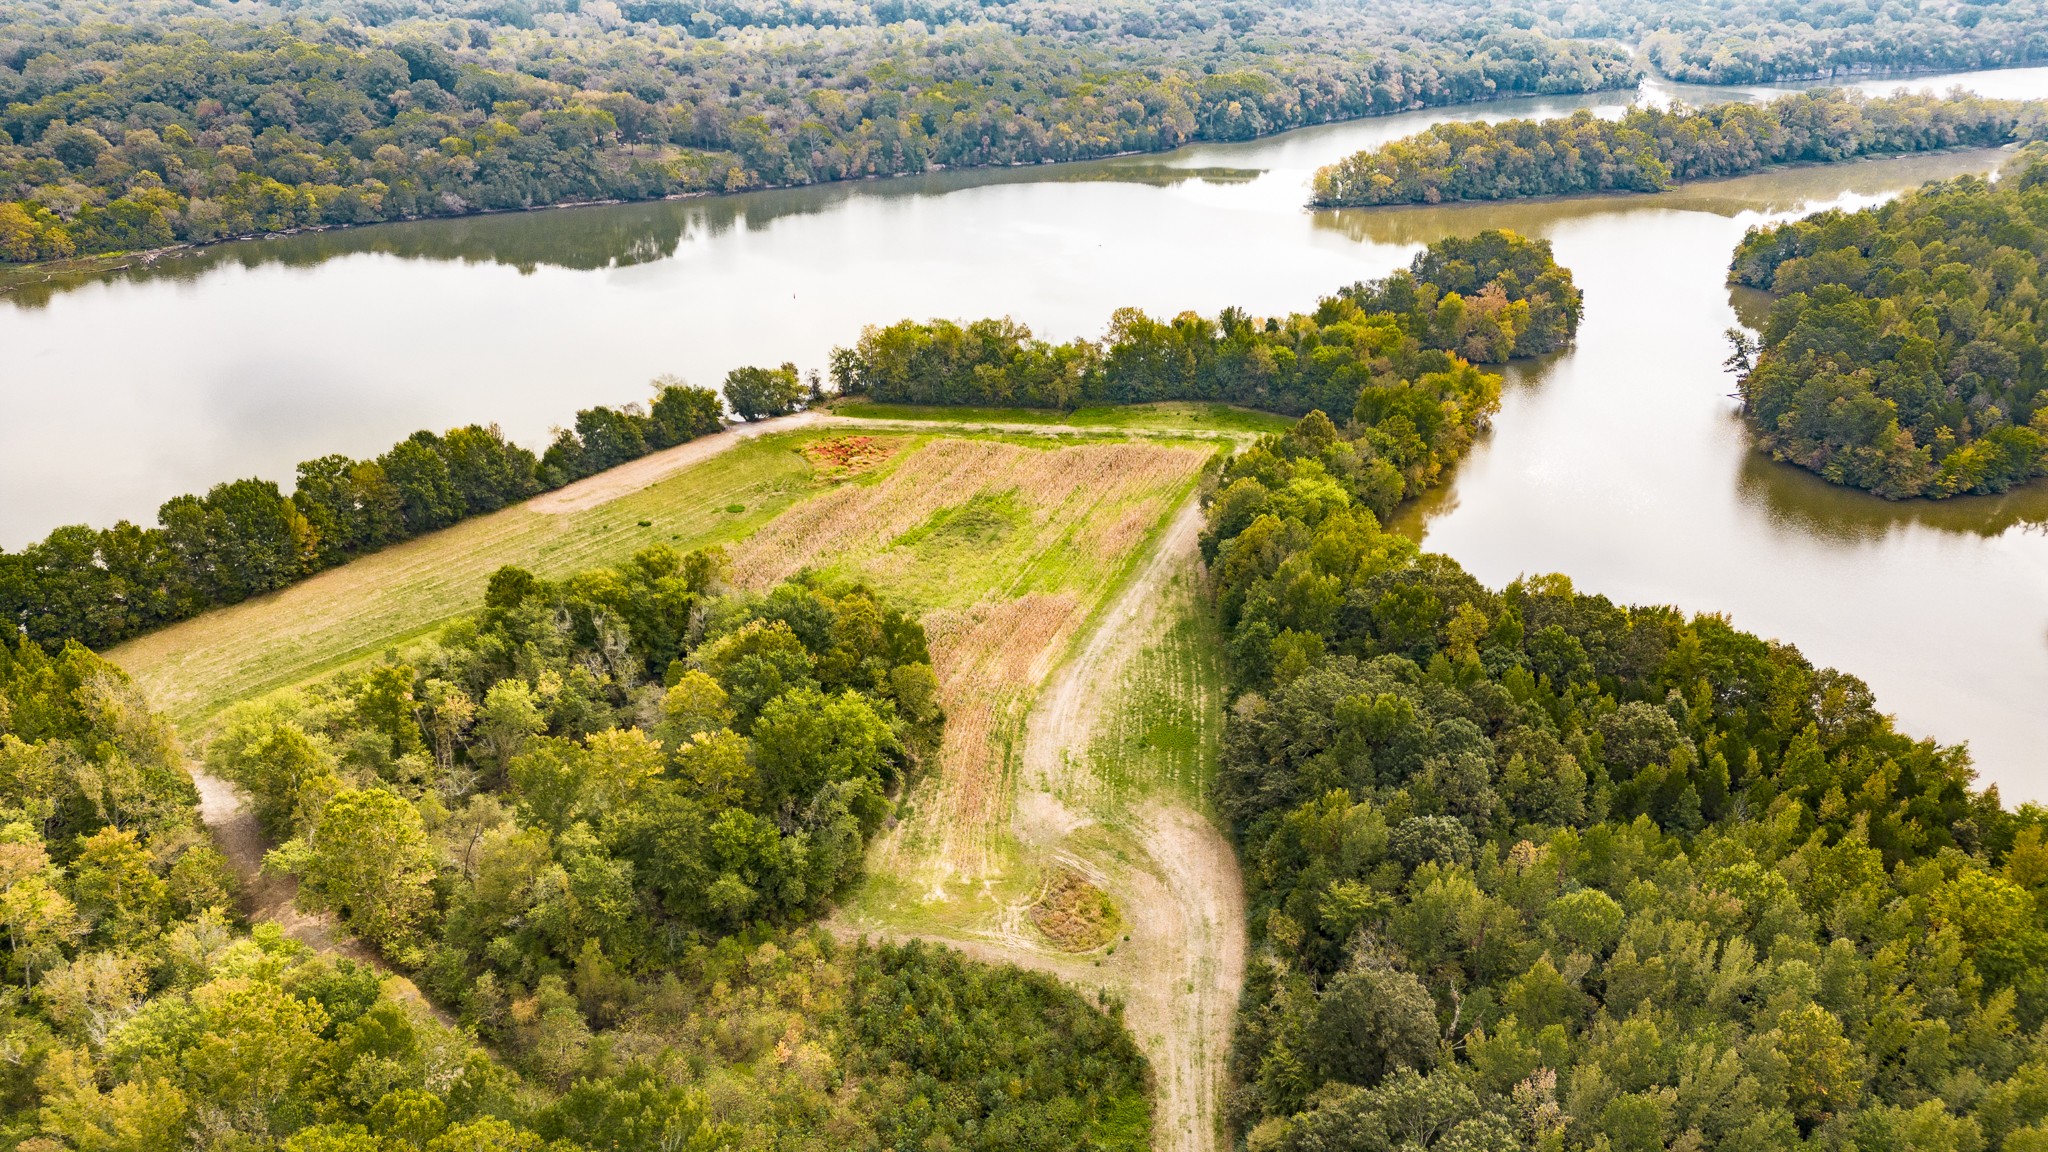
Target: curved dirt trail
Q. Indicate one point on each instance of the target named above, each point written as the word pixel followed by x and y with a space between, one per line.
pixel 1181 971
pixel 1173 877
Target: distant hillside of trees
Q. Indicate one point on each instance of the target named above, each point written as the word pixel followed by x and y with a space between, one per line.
pixel 1650 149
pixel 1905 352
pixel 123 126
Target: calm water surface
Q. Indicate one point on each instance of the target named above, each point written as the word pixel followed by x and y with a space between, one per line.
pixel 1620 462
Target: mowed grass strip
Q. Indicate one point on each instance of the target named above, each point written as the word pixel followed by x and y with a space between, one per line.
pixel 1167 416
pixel 1161 728
pixel 197 667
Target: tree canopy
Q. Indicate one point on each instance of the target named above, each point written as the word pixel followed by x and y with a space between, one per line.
pixel 617 913
pixel 1649 149
pixel 1482 299
pixel 1531 869
pixel 1903 353
pixel 124 126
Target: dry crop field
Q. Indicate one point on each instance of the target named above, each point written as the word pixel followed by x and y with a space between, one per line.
pixel 1005 549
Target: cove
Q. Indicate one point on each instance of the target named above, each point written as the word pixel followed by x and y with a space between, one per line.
pixel 1620 462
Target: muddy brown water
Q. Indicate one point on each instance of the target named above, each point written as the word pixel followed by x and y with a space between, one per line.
pixel 1619 463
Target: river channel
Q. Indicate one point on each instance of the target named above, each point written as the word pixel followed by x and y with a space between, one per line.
pixel 1620 463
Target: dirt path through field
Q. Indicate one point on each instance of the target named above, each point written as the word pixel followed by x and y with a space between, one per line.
pixel 1171 874
pixel 655 467
pixel 1184 900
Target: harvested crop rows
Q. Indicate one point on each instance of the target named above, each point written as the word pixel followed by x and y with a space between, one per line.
pixel 1065 494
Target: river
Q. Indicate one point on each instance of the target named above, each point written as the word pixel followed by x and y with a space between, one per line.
pixel 1620 462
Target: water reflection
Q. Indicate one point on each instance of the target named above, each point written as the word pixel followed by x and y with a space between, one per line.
pixel 1797 500
pixel 586 238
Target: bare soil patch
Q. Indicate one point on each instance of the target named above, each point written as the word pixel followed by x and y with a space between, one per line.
pixel 846 456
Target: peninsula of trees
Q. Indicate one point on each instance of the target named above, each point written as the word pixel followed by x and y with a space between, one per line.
pixel 1904 353
pixel 1650 149
pixel 1485 299
pixel 1488 298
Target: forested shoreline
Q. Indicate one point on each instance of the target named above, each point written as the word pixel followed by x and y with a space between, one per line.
pixel 1529 869
pixel 199 127
pixel 126 126
pixel 1650 149
pixel 246 537
pixel 1487 299
pixel 1903 353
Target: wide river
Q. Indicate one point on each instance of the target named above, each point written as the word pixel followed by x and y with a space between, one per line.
pixel 1620 463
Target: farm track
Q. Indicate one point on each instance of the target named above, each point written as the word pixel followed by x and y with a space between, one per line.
pixel 1170 872
pixel 268 897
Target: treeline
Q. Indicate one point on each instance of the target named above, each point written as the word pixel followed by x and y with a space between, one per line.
pixel 191 122
pixel 1752 41
pixel 1649 149
pixel 140 1015
pixel 1487 299
pixel 1529 869
pixel 1904 354
pixel 245 538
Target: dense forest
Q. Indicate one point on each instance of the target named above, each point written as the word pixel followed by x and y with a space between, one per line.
pixel 124 129
pixel 129 125
pixel 1649 149
pixel 593 821
pixel 1749 41
pixel 1904 352
pixel 1529 869
pixel 246 537
pixel 1485 299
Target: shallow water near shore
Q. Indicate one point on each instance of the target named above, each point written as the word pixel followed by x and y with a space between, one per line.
pixel 1619 462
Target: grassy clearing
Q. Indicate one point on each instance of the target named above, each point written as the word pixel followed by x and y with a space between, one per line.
pixel 1173 415
pixel 1159 735
pixel 195 668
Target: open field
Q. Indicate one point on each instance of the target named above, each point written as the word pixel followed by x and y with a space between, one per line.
pixel 1006 550
pixel 195 668
pixel 1056 574
pixel 682 497
pixel 1171 415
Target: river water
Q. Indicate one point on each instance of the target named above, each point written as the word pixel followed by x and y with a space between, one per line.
pixel 1620 463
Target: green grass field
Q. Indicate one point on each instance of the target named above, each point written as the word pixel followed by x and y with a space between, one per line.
pixel 1160 731
pixel 197 667
pixel 1181 416
pixel 954 553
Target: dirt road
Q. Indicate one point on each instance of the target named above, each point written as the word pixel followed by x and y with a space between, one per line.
pixel 1184 900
